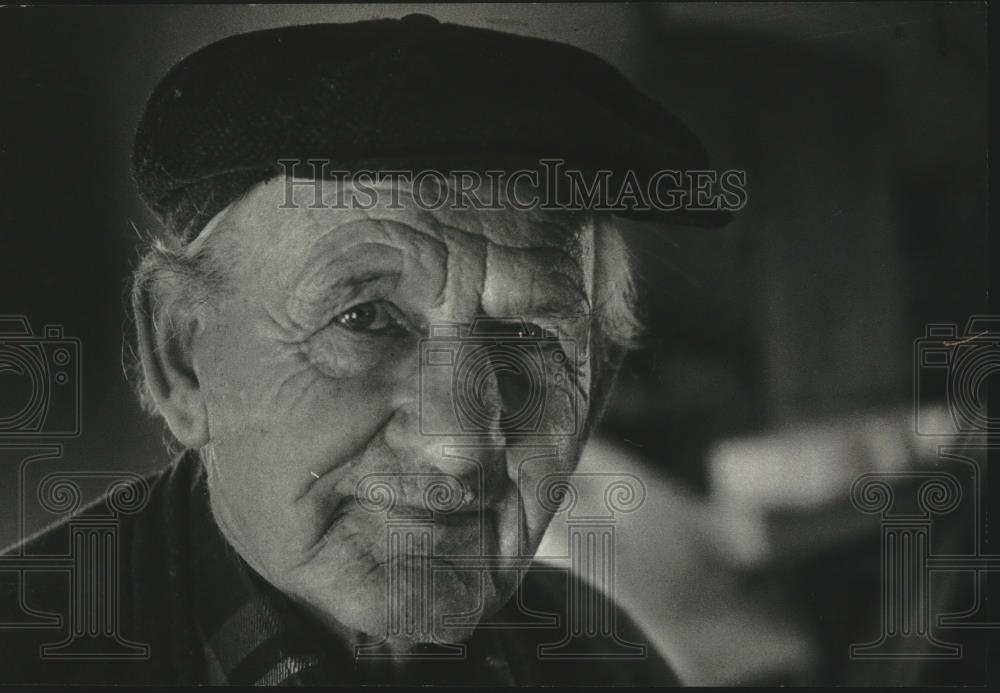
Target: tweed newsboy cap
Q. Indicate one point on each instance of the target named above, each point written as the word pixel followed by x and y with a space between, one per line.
pixel 391 93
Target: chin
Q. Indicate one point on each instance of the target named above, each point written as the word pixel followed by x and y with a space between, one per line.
pixel 398 604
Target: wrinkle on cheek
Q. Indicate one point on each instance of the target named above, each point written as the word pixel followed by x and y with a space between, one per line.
pixel 340 356
pixel 349 551
pixel 292 390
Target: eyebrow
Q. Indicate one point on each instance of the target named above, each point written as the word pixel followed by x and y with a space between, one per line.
pixel 346 268
pixel 558 295
pixel 350 281
pixel 359 278
pixel 555 308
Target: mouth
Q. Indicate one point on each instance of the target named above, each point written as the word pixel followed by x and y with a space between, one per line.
pixel 415 494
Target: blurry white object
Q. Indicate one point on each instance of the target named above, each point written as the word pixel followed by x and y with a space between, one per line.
pixel 672 577
pixel 806 467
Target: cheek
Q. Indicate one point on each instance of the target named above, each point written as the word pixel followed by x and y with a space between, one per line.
pixel 538 469
pixel 303 422
pixel 276 422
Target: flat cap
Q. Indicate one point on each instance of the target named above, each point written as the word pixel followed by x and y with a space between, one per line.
pixel 390 93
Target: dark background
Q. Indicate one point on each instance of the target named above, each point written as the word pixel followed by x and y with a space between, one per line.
pixel 862 129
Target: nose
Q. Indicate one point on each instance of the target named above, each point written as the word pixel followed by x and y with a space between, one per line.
pixel 425 434
pixel 447 394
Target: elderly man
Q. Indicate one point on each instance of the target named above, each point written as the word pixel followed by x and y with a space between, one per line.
pixel 361 492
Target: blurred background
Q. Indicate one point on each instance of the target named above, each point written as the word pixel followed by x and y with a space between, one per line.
pixel 784 355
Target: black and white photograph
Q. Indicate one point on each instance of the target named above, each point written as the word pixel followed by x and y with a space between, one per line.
pixel 497 344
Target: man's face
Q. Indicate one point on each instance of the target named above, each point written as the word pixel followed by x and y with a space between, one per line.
pixel 311 370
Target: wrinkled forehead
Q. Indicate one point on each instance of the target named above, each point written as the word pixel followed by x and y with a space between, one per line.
pixel 292 216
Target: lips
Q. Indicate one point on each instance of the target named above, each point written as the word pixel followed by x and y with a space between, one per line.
pixel 415 494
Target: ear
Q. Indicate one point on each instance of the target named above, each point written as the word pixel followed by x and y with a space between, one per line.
pixel 165 345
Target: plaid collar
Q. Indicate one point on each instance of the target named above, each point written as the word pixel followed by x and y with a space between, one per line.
pixel 251 634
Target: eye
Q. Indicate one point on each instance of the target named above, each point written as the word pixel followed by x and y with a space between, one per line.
pixel 373 316
pixel 540 332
